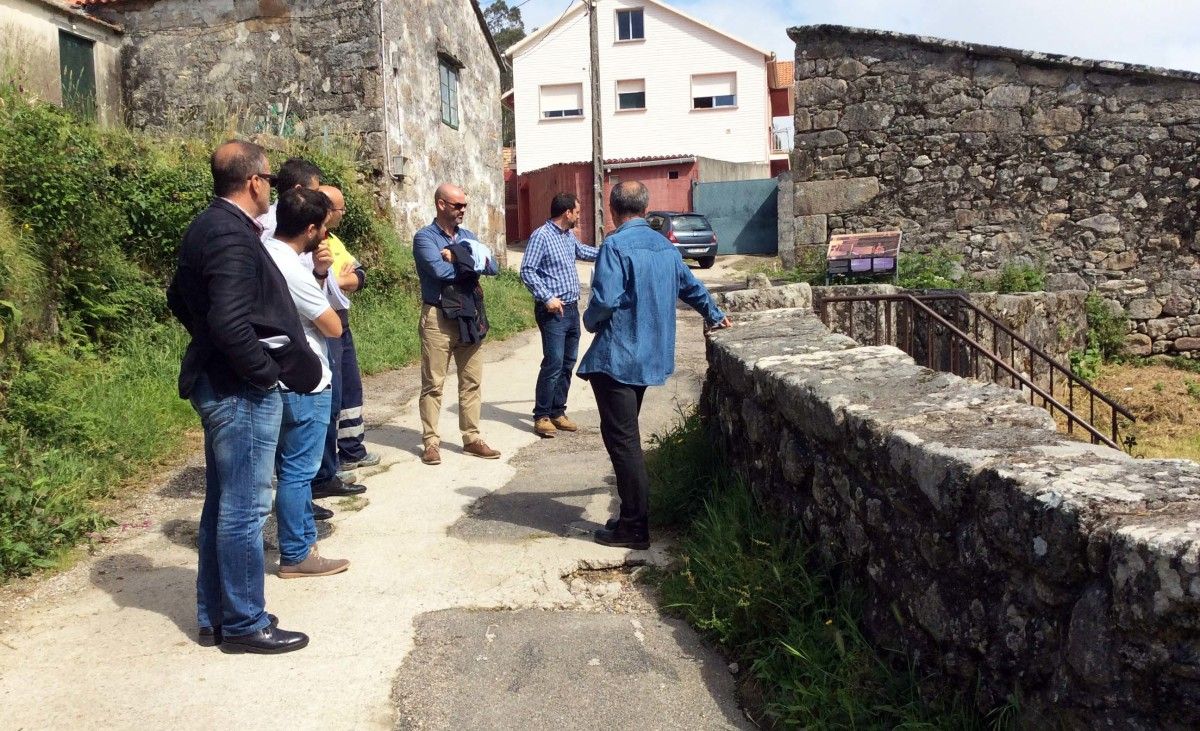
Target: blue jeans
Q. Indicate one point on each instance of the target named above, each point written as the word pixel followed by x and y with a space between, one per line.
pixel 560 350
pixel 301 443
pixel 240 435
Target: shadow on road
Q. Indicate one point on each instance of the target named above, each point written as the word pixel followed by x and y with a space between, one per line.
pixel 133 581
pixel 505 516
pixel 187 483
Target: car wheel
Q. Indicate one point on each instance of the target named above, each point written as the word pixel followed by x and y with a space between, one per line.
pixel 706 262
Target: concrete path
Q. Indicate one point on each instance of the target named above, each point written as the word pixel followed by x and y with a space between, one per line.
pixel 111 643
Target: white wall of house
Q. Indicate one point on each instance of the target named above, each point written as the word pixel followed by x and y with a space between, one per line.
pixel 29 43
pixel 675 50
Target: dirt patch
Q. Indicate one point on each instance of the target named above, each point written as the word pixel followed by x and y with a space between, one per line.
pixel 622 590
pixel 1166 402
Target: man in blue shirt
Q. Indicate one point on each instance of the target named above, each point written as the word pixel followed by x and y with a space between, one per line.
pixel 638 277
pixel 548 271
pixel 440 336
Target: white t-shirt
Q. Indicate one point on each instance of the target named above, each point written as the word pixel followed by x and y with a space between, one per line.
pixel 268 221
pixel 309 298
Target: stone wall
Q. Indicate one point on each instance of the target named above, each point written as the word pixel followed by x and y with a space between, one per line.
pixel 1001 556
pixel 317 69
pixel 471 156
pixel 1087 167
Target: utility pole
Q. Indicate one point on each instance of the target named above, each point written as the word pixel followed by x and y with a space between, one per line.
pixel 597 139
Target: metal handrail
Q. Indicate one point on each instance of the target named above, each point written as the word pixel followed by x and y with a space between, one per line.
pixel 1077 381
pixel 1048 399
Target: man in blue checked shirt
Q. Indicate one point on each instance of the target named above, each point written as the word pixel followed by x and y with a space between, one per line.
pixel 548 270
pixel 638 277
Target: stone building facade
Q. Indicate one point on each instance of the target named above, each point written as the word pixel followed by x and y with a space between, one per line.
pixel 373 71
pixel 1088 168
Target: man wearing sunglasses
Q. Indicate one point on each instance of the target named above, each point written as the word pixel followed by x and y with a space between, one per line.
pixel 231 297
pixel 440 337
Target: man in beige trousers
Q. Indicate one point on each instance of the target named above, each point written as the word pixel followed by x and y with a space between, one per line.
pixel 441 337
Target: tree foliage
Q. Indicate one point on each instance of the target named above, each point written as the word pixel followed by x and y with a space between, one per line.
pixel 507 29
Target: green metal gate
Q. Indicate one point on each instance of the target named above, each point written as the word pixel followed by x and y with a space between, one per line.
pixel 744 213
pixel 77 67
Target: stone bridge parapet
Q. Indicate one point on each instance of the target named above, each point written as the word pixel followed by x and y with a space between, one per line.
pixel 1001 555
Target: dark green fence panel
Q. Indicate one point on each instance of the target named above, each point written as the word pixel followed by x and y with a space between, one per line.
pixel 744 213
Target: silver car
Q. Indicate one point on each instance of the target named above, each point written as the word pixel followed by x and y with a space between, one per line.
pixel 691 234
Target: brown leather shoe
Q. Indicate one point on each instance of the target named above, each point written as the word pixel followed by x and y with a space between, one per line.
pixel 432 455
pixel 544 428
pixel 564 423
pixel 479 448
pixel 313 565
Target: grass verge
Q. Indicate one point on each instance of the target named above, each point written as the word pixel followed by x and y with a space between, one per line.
pixel 745 581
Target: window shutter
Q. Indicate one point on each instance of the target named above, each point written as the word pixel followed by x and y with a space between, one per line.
pixel 557 97
pixel 713 85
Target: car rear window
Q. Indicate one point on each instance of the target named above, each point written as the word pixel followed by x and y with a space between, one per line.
pixel 689 223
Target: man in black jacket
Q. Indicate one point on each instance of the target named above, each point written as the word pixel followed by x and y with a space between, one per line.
pixel 246 338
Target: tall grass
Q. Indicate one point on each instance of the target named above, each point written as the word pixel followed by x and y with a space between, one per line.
pixel 745 579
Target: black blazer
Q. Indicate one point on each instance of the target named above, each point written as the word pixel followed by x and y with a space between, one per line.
pixel 228 293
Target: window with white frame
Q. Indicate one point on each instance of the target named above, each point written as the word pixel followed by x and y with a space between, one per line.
pixel 630 25
pixel 712 91
pixel 561 100
pixel 448 81
pixel 631 94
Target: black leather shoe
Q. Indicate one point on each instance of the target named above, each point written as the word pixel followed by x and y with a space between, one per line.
pixel 336 488
pixel 267 641
pixel 612 523
pixel 211 636
pixel 623 539
pixel 320 513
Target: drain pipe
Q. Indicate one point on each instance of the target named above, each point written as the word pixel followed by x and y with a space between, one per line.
pixel 386 67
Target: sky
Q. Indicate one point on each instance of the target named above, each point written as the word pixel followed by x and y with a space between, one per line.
pixel 1152 32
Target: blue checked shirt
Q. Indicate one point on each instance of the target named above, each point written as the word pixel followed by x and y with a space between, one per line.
pixel 548 267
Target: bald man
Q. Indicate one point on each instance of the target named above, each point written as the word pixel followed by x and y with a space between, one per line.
pixel 344 448
pixel 441 337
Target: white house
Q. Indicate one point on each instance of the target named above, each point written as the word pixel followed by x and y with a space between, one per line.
pixel 670 84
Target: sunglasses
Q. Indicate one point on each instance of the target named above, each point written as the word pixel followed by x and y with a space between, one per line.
pixel 455 206
pixel 270 178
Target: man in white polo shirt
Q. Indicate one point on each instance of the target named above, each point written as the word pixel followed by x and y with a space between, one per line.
pixel 301 217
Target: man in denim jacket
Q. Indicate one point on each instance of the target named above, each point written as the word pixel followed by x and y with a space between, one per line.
pixel 637 279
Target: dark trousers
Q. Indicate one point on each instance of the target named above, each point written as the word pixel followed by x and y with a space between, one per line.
pixel 560 350
pixel 619 405
pixel 329 458
pixel 349 426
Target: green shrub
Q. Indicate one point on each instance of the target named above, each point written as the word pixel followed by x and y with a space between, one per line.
pixel 1086 362
pixel 938 269
pixel 1014 278
pixel 1107 327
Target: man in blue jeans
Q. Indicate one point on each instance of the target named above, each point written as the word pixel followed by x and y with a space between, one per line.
pixel 301 219
pixel 548 271
pixel 638 277
pixel 234 303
